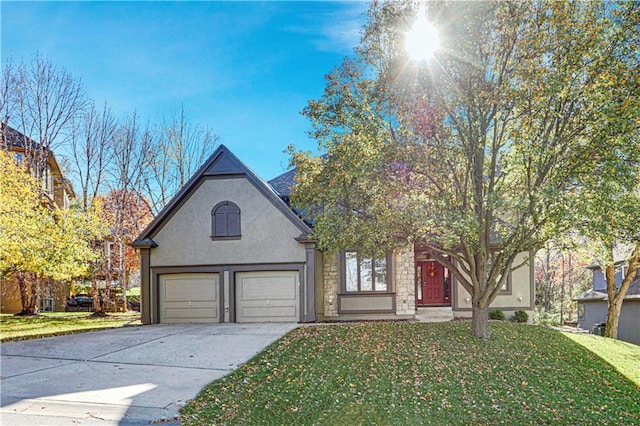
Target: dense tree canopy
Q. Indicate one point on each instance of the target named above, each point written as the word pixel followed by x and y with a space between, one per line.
pixel 479 152
pixel 37 240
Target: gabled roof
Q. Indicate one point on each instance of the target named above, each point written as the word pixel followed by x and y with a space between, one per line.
pixel 633 292
pixel 221 163
pixel 12 138
pixel 16 141
pixel 282 184
pixel 590 295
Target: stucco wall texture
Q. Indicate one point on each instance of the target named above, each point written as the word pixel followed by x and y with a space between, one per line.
pixel 267 235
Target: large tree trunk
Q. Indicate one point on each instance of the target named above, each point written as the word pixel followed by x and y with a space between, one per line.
pixel 97 306
pixel 613 315
pixel 35 295
pixel 28 293
pixel 106 299
pixel 616 296
pixel 480 320
pixel 24 291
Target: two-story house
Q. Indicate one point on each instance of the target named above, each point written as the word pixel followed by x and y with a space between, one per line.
pixel 58 192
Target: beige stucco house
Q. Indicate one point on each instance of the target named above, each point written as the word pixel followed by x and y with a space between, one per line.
pixel 228 248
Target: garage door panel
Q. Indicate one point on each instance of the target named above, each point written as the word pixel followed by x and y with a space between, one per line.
pixel 280 287
pixel 189 297
pixel 267 296
pixel 184 289
pixel 191 314
pixel 269 312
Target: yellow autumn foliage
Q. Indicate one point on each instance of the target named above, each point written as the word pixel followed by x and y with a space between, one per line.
pixel 36 237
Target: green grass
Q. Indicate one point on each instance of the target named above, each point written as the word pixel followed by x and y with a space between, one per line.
pixel 135 291
pixel 622 356
pixel 57 323
pixel 416 373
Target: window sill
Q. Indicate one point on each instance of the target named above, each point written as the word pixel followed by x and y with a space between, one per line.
pixel 367 293
pixel 236 237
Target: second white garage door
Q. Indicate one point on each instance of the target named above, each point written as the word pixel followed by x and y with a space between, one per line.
pixel 267 296
pixel 189 298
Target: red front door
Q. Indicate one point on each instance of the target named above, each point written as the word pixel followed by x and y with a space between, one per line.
pixel 430 277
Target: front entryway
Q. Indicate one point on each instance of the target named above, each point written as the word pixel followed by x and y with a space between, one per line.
pixel 432 284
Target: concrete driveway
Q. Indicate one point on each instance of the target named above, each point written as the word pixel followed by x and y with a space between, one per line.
pixel 122 376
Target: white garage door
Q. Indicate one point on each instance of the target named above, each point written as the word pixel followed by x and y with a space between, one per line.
pixel 189 298
pixel 267 296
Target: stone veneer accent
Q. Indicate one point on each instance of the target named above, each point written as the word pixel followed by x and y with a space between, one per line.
pixel 403 281
pixel 331 275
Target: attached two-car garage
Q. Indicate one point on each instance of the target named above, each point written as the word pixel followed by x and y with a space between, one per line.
pixel 255 296
pixel 253 261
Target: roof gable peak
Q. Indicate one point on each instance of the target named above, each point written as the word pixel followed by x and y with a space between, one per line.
pixel 223 162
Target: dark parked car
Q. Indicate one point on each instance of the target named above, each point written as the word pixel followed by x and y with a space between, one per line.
pixel 84 300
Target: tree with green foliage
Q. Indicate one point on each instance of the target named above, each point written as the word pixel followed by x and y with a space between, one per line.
pixel 609 209
pixel 478 152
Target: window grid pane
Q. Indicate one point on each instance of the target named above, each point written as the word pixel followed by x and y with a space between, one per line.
pixel 351 271
pixel 381 274
pixel 366 275
pixel 220 225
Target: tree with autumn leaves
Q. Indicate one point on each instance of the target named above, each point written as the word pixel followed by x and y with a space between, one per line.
pixel 481 152
pixel 38 241
pixel 126 170
pixel 125 213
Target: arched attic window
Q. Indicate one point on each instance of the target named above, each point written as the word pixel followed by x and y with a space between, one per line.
pixel 225 221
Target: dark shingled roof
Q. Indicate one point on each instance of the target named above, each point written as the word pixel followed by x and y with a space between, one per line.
pixel 282 184
pixel 632 293
pixel 13 138
pixel 590 295
pixel 634 288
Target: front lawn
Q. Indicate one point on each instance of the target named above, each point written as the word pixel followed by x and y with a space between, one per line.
pixel 56 323
pixel 416 373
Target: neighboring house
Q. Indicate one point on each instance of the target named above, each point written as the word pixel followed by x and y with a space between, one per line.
pixel 58 192
pixel 593 306
pixel 55 186
pixel 228 248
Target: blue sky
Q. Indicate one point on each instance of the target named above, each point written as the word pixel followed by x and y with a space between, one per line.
pixel 245 70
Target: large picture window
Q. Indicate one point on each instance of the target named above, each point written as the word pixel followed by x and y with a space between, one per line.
pixel 364 274
pixel 225 221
